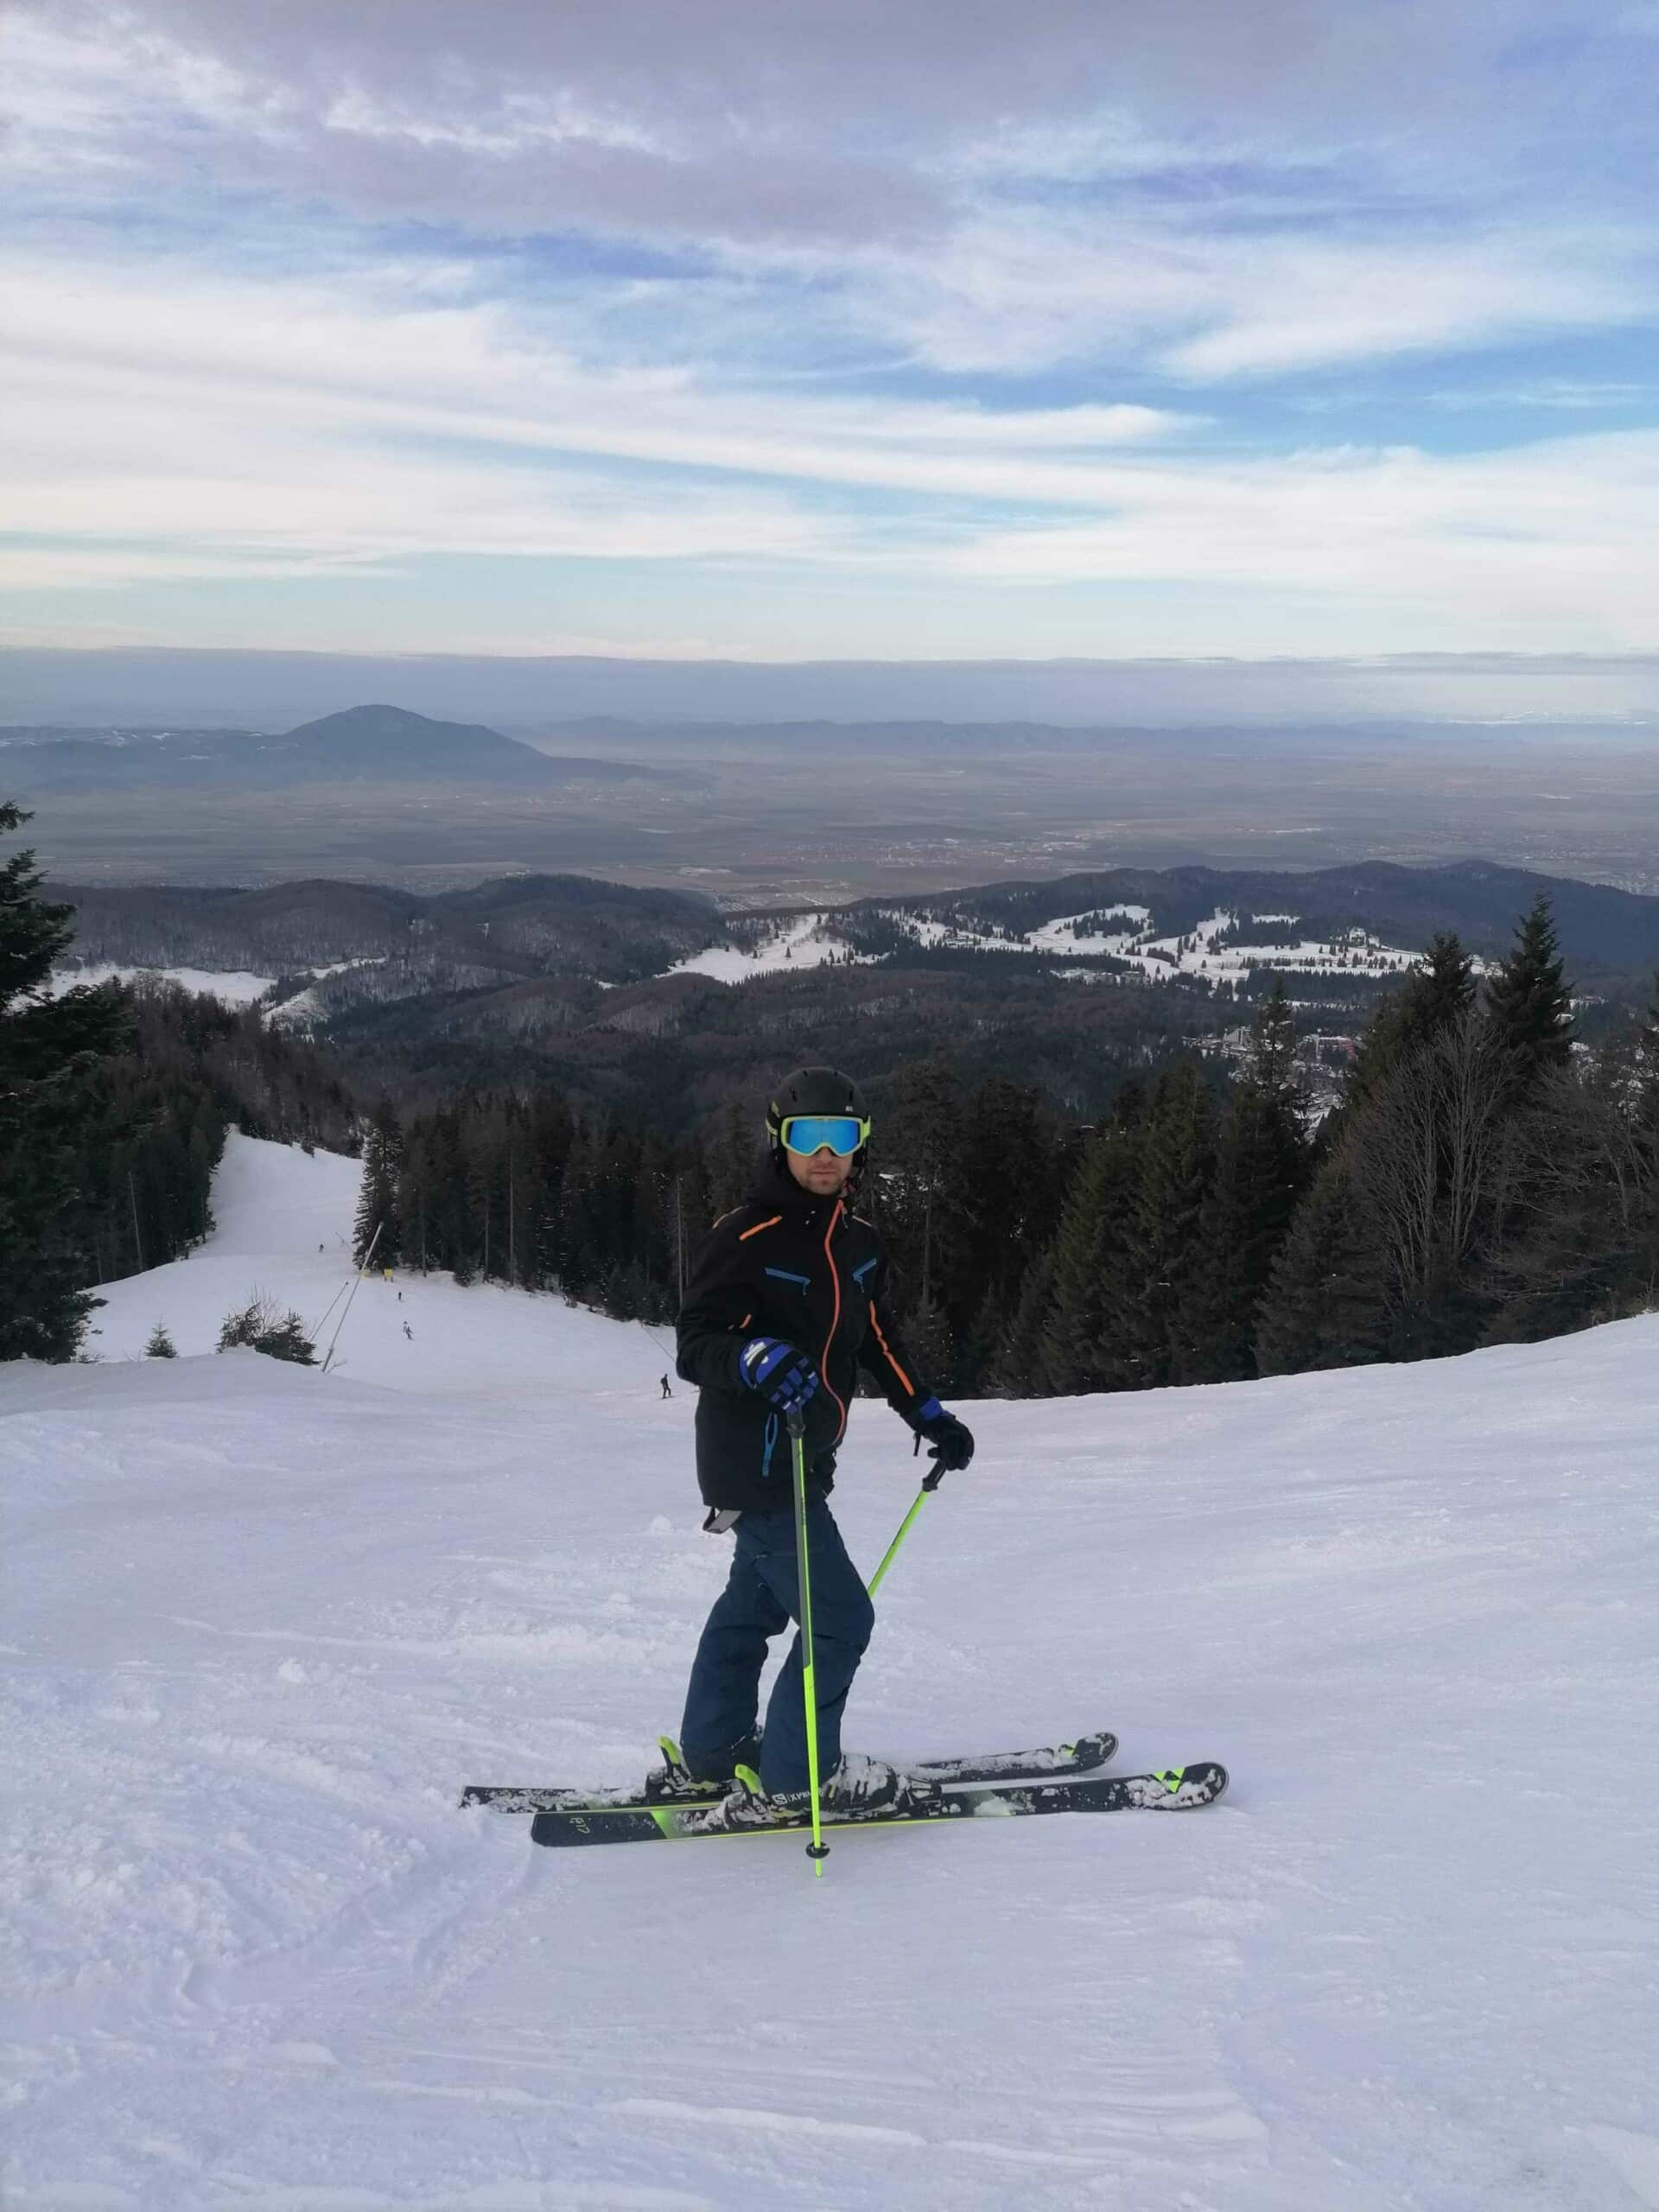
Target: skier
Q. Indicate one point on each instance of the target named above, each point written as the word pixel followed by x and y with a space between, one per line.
pixel 667 1393
pixel 787 1300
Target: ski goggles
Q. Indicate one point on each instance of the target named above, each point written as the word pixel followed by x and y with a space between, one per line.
pixel 809 1133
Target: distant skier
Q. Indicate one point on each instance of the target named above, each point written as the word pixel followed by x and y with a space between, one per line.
pixel 667 1393
pixel 787 1300
pixel 408 1333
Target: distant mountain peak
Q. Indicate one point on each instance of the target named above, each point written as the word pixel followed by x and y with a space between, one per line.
pixel 379 741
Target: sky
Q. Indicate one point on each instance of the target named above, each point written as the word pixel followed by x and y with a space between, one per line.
pixel 1320 327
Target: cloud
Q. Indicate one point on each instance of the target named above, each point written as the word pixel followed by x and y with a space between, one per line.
pixel 382 360
pixel 294 430
pixel 873 289
pixel 1201 306
pixel 1555 533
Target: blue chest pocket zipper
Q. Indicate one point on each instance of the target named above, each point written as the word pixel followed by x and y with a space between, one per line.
pixel 859 1273
pixel 804 1282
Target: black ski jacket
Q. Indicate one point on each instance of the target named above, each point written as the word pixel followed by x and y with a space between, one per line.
pixel 786 1264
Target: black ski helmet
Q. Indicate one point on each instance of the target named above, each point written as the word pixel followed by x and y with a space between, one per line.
pixel 815 1090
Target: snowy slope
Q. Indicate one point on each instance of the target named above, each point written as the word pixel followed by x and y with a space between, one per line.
pixel 262 1624
pixel 283 1222
pixel 800 943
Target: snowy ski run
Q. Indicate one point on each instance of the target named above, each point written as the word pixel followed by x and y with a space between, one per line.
pixel 262 1624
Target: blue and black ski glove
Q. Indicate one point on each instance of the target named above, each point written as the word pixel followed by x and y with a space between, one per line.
pixel 951 1440
pixel 779 1372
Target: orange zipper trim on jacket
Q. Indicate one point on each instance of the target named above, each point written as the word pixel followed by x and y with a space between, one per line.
pixel 744 1235
pixel 834 1319
pixel 887 1349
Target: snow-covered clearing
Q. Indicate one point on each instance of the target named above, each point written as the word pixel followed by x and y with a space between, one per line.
pixel 235 987
pixel 797 943
pixel 302 1009
pixel 1160 959
pixel 263 1623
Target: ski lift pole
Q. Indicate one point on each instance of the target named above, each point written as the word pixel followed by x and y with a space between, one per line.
pixel 929 1483
pixel 362 1271
pixel 817 1850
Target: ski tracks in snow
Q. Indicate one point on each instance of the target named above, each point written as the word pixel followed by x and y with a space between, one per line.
pixel 257 1958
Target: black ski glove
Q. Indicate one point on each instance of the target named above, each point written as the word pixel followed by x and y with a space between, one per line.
pixel 951 1440
pixel 783 1376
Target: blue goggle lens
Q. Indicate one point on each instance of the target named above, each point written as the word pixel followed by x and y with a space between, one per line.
pixel 809 1133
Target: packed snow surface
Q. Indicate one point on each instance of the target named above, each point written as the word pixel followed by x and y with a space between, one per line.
pixel 262 1624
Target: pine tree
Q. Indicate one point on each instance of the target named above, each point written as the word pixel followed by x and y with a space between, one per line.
pixel 1016 1369
pixel 1161 1308
pixel 1528 1007
pixel 1078 1351
pixel 48 1048
pixel 1262 1167
pixel 161 1345
pixel 927 1334
pixel 1435 997
pixel 1646 1099
pixel 924 1213
pixel 1327 1303
pixel 735 1158
pixel 377 1206
pixel 261 1327
pixel 1645 1117
pixel 1004 1202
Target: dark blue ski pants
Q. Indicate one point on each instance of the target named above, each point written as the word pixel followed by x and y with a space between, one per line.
pixel 761 1599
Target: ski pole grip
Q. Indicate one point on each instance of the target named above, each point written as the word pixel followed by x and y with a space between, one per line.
pixel 796 1421
pixel 932 1481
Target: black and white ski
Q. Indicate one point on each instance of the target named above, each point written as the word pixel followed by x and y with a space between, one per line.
pixel 1056 1762
pixel 1180 1789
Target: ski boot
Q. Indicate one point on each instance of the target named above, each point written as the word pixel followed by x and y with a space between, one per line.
pixel 861 1784
pixel 857 1785
pixel 677 1780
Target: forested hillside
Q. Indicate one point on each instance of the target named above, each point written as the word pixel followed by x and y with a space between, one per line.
pixel 1481 1181
pixel 1104 1188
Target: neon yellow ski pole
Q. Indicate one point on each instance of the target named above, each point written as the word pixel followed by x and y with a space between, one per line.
pixel 817 1850
pixel 929 1483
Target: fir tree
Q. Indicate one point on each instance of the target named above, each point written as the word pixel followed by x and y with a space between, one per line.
pixel 1528 1007
pixel 1262 1167
pixel 1016 1369
pixel 1645 1118
pixel 923 1213
pixel 1004 1202
pixel 161 1345
pixel 1645 1100
pixel 735 1159
pixel 1435 997
pixel 1327 1302
pixel 1078 1351
pixel 260 1327
pixel 48 1048
pixel 377 1206
pixel 1261 1172
pixel 1163 1285
pixel 927 1334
